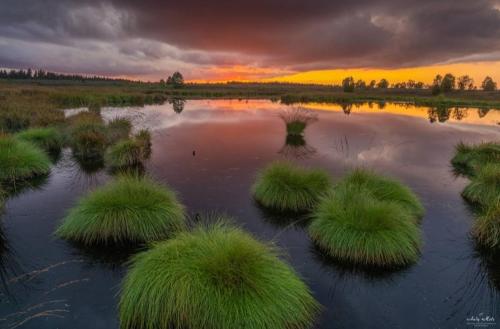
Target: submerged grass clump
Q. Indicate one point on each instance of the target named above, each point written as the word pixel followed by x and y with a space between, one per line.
pixel 49 139
pixel 127 210
pixel 369 221
pixel 486 228
pixel 484 187
pixel 125 153
pixel 286 187
pixel 21 160
pixel 215 277
pixel 468 158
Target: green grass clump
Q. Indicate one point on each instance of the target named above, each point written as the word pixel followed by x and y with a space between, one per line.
pixel 88 138
pixel 486 228
pixel 484 187
pixel 297 119
pixel 143 138
pixel 217 277
pixel 386 189
pixel 21 160
pixel 127 210
pixel 49 139
pixel 118 129
pixel 286 187
pixel 468 158
pixel 361 223
pixel 125 153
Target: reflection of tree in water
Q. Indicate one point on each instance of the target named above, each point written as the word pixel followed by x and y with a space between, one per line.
pixel 439 114
pixel 381 105
pixel 296 147
pixel 482 112
pixel 459 113
pixel 177 104
pixel 346 108
pixel 480 291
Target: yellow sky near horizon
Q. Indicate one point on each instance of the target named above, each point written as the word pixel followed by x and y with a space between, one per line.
pixel 477 70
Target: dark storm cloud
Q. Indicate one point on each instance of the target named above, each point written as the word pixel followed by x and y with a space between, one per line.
pixel 289 34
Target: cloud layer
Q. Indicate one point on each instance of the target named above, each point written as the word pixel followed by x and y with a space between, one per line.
pixel 150 37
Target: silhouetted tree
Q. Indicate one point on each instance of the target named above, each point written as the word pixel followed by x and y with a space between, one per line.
pixel 465 82
pixel 383 84
pixel 488 84
pixel 448 83
pixel 372 84
pixel 419 85
pixel 348 84
pixel 177 80
pixel 360 84
pixel 436 84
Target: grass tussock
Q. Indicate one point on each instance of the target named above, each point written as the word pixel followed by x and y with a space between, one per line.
pixel 21 160
pixel 143 139
pixel 214 277
pixel 297 119
pixel 286 187
pixel 361 223
pixel 468 158
pixel 125 153
pixel 386 189
pixel 486 228
pixel 118 129
pixel 87 134
pixel 484 187
pixel 48 139
pixel 127 210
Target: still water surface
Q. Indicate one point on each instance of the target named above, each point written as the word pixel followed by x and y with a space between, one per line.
pixel 49 283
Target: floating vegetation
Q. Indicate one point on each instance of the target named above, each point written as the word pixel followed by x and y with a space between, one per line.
pixel 21 160
pixel 484 187
pixel 287 187
pixel 127 210
pixel 48 139
pixel 468 158
pixel 125 153
pixel 368 220
pixel 297 119
pixel 118 129
pixel 214 277
pixel 486 228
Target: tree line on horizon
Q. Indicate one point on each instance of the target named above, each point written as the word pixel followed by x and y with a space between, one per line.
pixel 39 74
pixel 440 84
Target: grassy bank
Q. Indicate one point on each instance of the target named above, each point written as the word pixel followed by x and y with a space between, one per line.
pixel 24 103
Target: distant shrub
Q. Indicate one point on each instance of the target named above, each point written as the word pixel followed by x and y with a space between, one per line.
pixel 127 210
pixel 215 277
pixel 286 187
pixel 21 160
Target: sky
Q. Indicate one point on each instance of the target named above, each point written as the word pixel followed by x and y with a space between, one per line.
pixel 314 41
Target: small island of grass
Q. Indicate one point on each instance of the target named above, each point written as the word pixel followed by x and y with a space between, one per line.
pixel 286 187
pixel 215 277
pixel 127 210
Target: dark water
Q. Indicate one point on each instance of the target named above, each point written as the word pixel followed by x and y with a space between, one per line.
pixel 52 284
